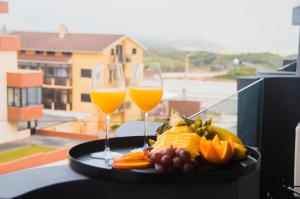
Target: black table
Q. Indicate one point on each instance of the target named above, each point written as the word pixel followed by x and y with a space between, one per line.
pixel 62 182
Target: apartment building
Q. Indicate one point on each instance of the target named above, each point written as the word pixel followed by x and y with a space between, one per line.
pixel 67 60
pixel 20 91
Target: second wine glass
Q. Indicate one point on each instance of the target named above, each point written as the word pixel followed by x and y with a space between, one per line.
pixel 146 90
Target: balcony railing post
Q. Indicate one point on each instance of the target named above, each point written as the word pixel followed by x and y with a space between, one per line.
pixel 296 21
pixel 298 59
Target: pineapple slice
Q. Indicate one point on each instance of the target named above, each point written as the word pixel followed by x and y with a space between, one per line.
pixel 178 139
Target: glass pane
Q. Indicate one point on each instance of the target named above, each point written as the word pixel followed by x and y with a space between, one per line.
pixel 17 97
pixel 39 95
pixel 32 96
pixel 240 112
pixel 24 97
pixel 10 96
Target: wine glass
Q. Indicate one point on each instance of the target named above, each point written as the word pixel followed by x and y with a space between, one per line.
pixel 146 90
pixel 107 94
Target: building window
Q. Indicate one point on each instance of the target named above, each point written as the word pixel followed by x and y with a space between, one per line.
pixel 39 95
pixel 10 96
pixel 86 73
pixel 38 52
pixel 17 97
pixel 51 53
pixel 50 71
pixel 112 52
pixel 68 54
pixel 134 51
pixel 22 97
pixel 120 53
pixel 32 96
pixel 85 97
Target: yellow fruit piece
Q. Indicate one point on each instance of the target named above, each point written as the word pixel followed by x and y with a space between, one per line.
pixel 224 134
pixel 216 151
pixel 179 137
pixel 240 152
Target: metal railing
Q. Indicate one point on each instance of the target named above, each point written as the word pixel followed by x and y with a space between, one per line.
pixel 230 112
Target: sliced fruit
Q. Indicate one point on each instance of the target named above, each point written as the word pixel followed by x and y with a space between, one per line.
pixel 132 165
pixel 176 119
pixel 131 157
pixel 180 137
pixel 216 151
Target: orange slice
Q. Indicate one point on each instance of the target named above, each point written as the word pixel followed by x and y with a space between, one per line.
pixel 216 151
pixel 131 157
pixel 132 165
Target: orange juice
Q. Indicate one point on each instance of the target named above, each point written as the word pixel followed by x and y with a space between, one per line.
pixel 146 98
pixel 107 100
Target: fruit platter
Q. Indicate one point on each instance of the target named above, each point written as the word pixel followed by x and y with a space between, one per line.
pixel 183 151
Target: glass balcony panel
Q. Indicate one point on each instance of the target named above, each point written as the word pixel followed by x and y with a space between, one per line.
pixel 230 112
pixel 60 81
pixel 60 106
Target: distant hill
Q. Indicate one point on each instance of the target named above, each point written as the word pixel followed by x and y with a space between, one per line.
pixel 174 60
pixel 155 43
pixel 184 45
pixel 198 45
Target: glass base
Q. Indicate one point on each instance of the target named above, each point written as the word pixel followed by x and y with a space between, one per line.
pixel 137 150
pixel 140 149
pixel 105 155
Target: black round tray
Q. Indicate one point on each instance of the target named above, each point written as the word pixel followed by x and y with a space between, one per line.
pixel 81 161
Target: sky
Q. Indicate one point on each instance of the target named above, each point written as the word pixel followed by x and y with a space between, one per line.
pixel 237 25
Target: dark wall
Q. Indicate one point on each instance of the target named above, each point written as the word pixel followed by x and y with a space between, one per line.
pixel 280 113
pixel 249 111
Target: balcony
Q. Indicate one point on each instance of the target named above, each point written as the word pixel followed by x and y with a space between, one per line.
pixel 22 114
pixel 56 82
pixel 57 106
pixel 62 82
pixel 24 95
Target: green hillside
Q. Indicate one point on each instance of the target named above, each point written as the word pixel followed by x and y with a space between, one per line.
pixel 174 60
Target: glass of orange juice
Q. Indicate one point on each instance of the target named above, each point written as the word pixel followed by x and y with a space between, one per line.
pixel 146 90
pixel 107 94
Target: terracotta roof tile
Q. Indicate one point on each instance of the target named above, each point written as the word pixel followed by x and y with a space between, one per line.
pixel 70 43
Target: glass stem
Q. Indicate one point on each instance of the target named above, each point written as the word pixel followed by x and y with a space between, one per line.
pixel 107 118
pixel 146 130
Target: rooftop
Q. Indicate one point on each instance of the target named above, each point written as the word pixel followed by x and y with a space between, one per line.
pixel 70 42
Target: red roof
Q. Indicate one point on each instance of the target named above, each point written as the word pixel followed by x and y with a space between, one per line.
pixel 71 42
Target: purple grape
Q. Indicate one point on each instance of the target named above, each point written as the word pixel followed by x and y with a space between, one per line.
pixel 155 157
pixel 184 155
pixel 177 163
pixel 160 168
pixel 170 169
pixel 195 163
pixel 188 167
pixel 169 151
pixel 166 160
